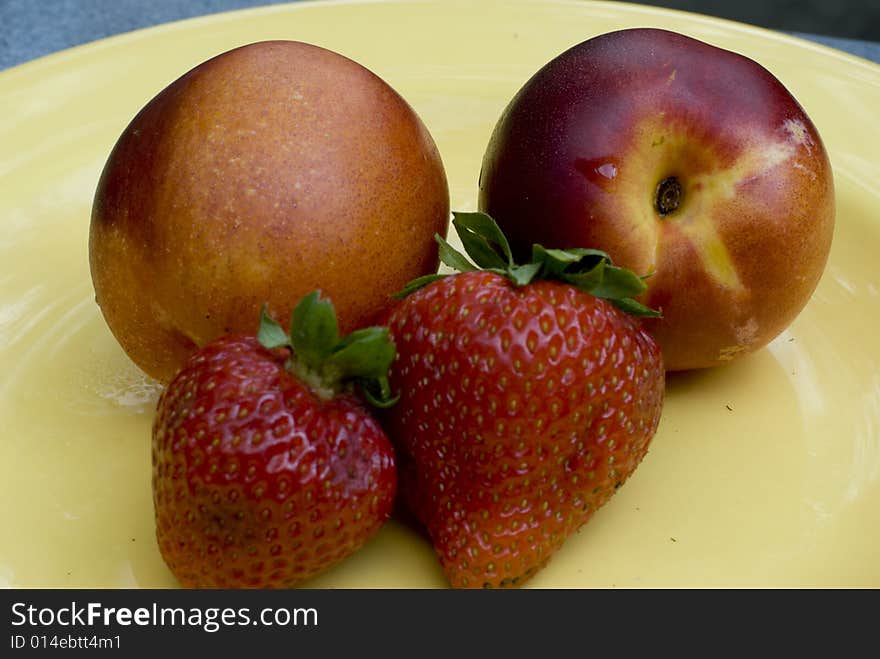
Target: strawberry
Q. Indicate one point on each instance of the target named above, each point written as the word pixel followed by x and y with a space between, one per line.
pixel 267 468
pixel 527 397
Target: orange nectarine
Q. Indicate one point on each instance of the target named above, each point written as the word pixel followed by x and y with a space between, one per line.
pixel 260 175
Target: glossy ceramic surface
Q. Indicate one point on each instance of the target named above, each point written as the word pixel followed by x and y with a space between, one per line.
pixel 763 473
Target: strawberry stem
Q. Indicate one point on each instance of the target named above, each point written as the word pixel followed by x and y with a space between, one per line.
pixel 590 270
pixel 326 362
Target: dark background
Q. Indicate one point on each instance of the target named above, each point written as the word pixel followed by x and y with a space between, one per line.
pixel 32 28
pixel 853 19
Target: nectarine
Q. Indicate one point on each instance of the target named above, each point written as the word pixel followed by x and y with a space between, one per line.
pixel 264 173
pixel 683 161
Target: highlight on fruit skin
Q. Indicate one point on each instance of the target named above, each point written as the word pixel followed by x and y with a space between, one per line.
pixel 263 173
pixel 526 401
pixel 679 159
pixel 268 468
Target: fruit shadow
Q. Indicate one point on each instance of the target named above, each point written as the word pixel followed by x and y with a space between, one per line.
pixel 757 369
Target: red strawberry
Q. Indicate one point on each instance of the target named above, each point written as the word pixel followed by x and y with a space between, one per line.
pixel 524 403
pixel 267 469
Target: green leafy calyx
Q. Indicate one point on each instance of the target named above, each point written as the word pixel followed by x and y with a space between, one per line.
pixel 590 270
pixel 327 362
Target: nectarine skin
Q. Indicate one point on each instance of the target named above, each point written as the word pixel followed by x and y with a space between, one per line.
pixel 260 175
pixel 683 161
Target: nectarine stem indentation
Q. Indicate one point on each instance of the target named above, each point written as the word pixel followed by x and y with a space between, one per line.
pixel 668 195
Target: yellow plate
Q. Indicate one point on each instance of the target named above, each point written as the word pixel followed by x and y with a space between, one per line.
pixel 763 473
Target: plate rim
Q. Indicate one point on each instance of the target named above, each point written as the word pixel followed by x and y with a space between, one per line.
pixel 58 57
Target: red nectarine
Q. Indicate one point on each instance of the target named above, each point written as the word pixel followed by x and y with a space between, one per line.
pixel 683 161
